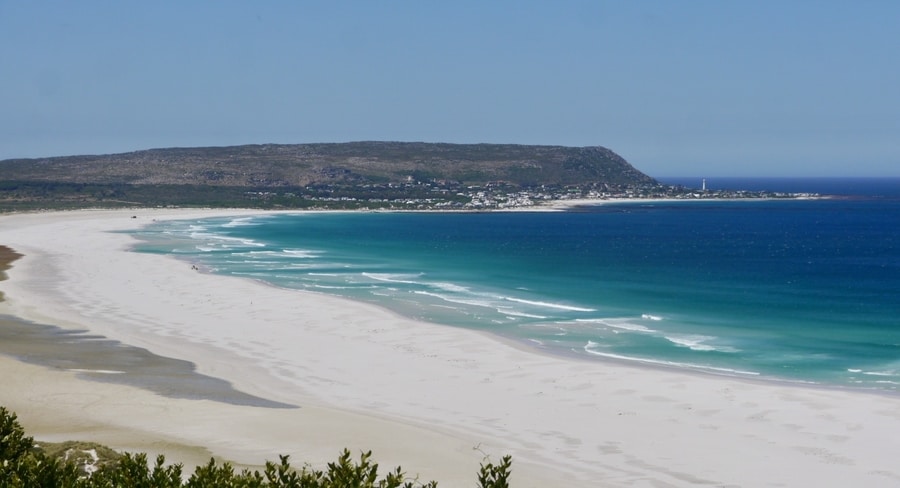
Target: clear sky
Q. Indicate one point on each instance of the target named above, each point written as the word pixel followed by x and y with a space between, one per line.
pixel 679 88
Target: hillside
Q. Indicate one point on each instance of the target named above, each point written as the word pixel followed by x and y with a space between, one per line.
pixel 188 176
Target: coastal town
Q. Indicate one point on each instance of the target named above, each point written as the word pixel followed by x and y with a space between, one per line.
pixel 342 176
pixel 446 195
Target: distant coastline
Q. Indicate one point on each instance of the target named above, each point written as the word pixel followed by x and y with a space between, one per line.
pixel 581 202
pixel 849 186
pixel 343 176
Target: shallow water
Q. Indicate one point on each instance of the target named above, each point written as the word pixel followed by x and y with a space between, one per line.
pixel 798 290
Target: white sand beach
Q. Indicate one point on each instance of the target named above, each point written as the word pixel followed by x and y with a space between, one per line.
pixel 430 398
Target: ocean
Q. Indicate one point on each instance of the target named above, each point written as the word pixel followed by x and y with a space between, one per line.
pixel 804 291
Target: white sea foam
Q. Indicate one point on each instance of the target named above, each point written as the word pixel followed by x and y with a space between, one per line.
pixel 257 274
pixel 252 261
pixel 240 222
pixel 514 313
pixel 464 296
pixel 698 343
pixel 462 301
pixel 622 324
pixel 408 279
pixel 880 373
pixel 293 266
pixel 393 277
pixel 302 253
pixel 693 342
pixel 628 326
pixel 451 287
pixel 227 242
pixel 590 349
pixel 557 306
pixel 543 325
pixel 651 317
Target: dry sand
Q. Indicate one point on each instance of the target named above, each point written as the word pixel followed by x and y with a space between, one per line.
pixel 433 399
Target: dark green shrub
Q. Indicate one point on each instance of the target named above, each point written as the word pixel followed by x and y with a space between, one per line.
pixel 495 476
pixel 13 442
pixel 24 466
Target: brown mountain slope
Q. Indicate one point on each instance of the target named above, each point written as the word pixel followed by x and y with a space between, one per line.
pixel 355 163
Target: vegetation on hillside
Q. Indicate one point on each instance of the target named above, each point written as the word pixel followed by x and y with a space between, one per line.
pixel 345 175
pixel 355 163
pixel 78 465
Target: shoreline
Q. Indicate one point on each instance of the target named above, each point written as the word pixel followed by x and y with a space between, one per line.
pixel 581 353
pixel 564 205
pixel 133 419
pixel 580 423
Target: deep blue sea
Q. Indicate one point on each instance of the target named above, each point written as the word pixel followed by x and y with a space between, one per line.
pixel 786 290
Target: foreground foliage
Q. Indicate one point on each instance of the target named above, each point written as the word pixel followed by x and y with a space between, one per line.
pixel 24 465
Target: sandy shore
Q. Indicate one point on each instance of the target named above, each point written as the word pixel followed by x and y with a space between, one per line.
pixel 430 398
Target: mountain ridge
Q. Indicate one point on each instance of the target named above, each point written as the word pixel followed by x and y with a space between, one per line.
pixel 366 174
pixel 280 165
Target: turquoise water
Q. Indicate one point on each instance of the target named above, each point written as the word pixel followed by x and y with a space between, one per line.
pixel 785 290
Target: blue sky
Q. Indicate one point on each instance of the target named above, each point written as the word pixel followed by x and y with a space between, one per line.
pixel 692 88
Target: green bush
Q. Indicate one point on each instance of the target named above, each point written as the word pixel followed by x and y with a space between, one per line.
pixel 13 442
pixel 22 465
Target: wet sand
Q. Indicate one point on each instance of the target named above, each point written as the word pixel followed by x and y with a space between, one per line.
pixel 100 359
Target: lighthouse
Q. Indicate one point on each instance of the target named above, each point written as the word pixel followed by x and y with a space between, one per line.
pixel 703 187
